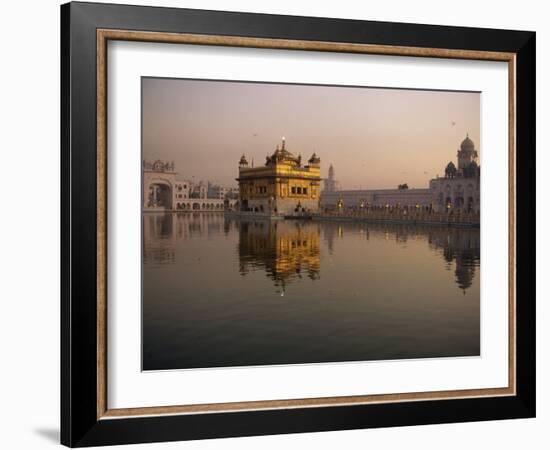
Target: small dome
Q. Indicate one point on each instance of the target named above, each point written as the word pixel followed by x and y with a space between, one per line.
pixel 314 159
pixel 467 144
pixel 243 161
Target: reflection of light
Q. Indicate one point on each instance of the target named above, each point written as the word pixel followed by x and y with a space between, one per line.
pixel 286 251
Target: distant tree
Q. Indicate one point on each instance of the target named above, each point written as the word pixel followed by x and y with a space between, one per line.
pixel 403 186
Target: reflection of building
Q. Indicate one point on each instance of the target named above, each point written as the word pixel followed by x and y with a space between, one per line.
pixel 282 186
pixel 461 246
pixel 158 239
pixel 161 232
pixel 285 250
pixel 162 191
pixel 290 250
pixel 457 191
pixel 458 245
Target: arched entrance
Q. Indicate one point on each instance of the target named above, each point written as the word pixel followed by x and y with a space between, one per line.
pixel 448 203
pixel 160 196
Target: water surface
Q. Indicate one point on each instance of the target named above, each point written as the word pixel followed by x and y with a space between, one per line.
pixel 225 292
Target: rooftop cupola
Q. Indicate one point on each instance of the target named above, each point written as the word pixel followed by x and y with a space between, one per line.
pixel 243 162
pixel 314 160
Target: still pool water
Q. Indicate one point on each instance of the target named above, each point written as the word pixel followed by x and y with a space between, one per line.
pixel 225 292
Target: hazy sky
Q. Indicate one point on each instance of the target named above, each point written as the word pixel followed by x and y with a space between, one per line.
pixel 375 138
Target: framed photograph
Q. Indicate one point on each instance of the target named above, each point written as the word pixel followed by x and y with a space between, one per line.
pixel 277 224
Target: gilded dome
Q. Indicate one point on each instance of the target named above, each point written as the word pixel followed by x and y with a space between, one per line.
pixel 281 154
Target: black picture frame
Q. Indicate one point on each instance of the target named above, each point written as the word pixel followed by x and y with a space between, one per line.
pixel 80 425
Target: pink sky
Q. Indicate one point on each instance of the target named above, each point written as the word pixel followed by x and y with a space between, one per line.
pixel 375 138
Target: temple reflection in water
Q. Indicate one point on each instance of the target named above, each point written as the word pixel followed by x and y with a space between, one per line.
pixel 286 250
pixel 223 292
pixel 289 250
pixel 459 247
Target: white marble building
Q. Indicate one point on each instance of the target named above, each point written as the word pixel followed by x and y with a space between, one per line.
pixel 366 198
pixel 163 191
pixel 458 190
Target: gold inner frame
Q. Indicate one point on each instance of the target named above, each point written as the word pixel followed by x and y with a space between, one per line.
pixel 103 36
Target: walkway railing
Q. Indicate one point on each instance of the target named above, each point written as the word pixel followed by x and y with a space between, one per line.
pixel 404 216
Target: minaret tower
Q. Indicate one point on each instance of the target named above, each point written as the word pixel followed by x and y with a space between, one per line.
pixel 330 182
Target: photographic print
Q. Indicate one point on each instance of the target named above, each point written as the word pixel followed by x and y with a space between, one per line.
pixel 272 224
pixel 300 224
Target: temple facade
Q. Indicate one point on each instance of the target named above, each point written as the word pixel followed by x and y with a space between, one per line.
pixel 282 186
pixel 457 190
